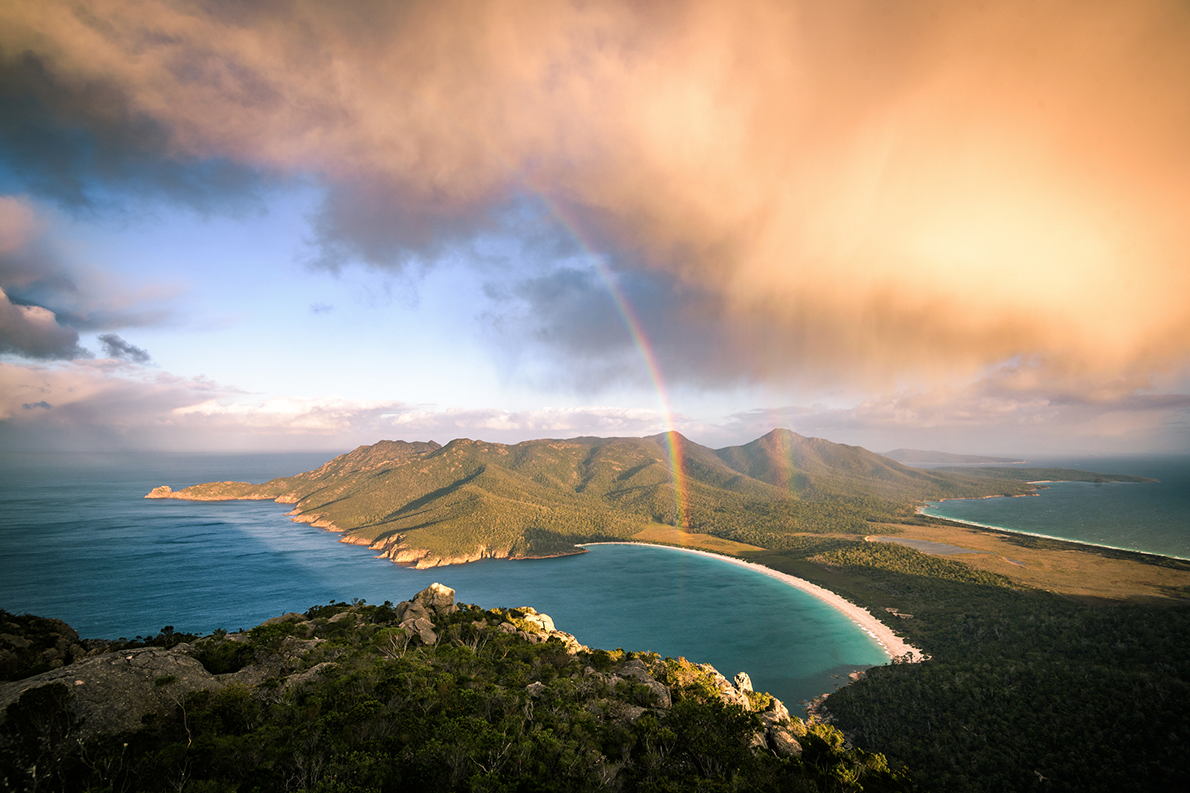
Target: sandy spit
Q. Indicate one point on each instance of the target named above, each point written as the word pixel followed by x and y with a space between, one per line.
pixel 894 646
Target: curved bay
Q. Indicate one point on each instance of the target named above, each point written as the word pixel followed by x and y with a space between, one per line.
pixel 81 544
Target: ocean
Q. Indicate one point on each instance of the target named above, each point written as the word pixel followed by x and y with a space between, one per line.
pixel 1149 516
pixel 80 543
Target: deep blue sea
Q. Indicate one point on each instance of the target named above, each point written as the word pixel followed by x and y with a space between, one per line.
pixel 1149 516
pixel 79 542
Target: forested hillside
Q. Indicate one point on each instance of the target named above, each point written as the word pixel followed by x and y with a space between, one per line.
pixel 426 504
pixel 1025 690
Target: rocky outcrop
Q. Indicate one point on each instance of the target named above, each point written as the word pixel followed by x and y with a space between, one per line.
pixel 114 692
pixel 437 598
pixel 537 628
pixel 634 669
pixel 779 731
pixel 30 645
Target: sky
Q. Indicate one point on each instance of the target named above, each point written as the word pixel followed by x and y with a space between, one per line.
pixel 302 225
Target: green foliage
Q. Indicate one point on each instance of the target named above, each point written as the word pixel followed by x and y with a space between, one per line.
pixel 481 710
pixel 759 699
pixel 35 739
pixel 220 656
pixel 1021 683
pixel 883 557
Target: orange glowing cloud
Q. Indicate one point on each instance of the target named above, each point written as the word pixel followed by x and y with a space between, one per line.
pixel 866 193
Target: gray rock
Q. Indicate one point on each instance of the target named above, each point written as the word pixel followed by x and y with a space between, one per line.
pixel 573 647
pixel 743 683
pixel 309 674
pixel 292 616
pixel 422 627
pixel 437 598
pixel 536 688
pixel 777 707
pixel 615 710
pixel 114 692
pixel 635 669
pixel 413 611
pixel 280 662
pixel 783 743
pixel 727 692
pixel 529 614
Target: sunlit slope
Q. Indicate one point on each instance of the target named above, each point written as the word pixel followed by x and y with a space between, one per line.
pixel 427 504
pixel 814 468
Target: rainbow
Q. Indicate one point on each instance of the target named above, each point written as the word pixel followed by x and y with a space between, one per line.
pixel 673 442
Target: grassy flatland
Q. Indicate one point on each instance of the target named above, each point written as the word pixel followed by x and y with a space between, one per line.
pixel 1066 568
pixel 672 535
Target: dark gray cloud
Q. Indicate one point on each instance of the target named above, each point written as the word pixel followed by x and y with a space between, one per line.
pixel 32 405
pixel 34 332
pixel 599 326
pixel 46 300
pixel 380 223
pixel 115 347
pixel 83 145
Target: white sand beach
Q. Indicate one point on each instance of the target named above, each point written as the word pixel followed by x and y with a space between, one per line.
pixel 894 646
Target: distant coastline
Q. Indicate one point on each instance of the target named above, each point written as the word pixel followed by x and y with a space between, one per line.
pixel 892 645
pixel 994 527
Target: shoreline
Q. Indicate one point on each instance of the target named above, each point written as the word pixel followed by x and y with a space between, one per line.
pixel 892 645
pixel 921 511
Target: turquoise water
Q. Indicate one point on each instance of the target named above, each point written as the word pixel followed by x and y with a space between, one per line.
pixel 79 542
pixel 1150 516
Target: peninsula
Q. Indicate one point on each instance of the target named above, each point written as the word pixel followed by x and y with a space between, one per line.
pixel 428 505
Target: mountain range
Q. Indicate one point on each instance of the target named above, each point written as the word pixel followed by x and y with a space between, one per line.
pixel 426 504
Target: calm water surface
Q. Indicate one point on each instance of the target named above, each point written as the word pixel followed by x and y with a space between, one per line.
pixel 1151 516
pixel 79 542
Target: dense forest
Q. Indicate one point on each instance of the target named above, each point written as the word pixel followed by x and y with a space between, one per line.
pixel 1024 689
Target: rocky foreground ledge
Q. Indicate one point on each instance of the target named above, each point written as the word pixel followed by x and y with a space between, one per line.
pixel 428 693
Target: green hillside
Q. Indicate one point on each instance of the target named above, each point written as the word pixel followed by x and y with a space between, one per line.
pixel 426 504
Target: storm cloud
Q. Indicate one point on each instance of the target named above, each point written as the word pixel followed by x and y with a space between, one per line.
pixel 852 194
pixel 46 299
